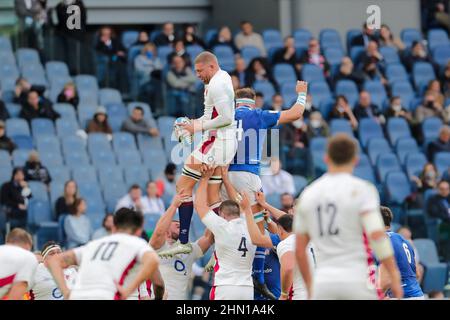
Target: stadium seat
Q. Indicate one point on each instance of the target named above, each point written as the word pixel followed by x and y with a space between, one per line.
pixel 386 163
pixel 311 72
pixel 431 127
pixel 123 141
pixel 284 73
pixel 398 187
pixel 249 53
pixel 73 143
pixel 422 73
pixel 56 68
pixel 38 190
pixel 210 35
pixel 436 273
pixel 442 161
pixel 377 146
pixel 57 84
pixel 317 148
pixel 369 129
pixel 437 37
pixel 274 199
pixel 39 212
pixel 42 127
pixel 116 110
pixel 319 92
pixel 356 53
pixel 330 38
pixel 325 106
pixel 129 37
pixel 67 111
pixel 163 53
pixel 288 93
pixel 5 44
pixel 155 162
pixel 96 217
pixel 225 55
pixel 414 163
pixel 50 159
pixel 302 37
pixel 23 142
pixel 404 146
pixel 13 109
pixel 377 92
pixel 150 221
pixel 389 54
pixel 334 55
pixel 364 170
pixel 165 125
pixel 109 95
pixel 300 183
pixel 129 158
pixel 341 126
pixel 272 38
pixel 147 110
pixel 26 56
pixel 5 173
pixel 112 193
pixel 19 157
pixel 396 72
pixel 194 51
pixel 47 231
pixel 76 158
pixel 109 174
pixel 136 175
pixel 84 174
pixel 404 90
pixel 5 158
pixel 8 70
pixel 397 128
pixel 59 173
pixel 266 88
pixel 147 142
pixel 91 192
pixel 85 113
pixel 409 35
pixel 348 89
pixel 16 127
pixel 98 142
pixel 441 54
pixel 103 156
pixel 350 35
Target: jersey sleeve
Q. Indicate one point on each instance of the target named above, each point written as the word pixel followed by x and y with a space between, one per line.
pixel 300 219
pixel 269 118
pixel 216 224
pixel 370 199
pixel 27 270
pixel 284 247
pixel 78 254
pixel 196 250
pixel 223 101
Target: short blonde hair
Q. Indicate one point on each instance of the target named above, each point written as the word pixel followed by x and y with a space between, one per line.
pixel 19 236
pixel 206 57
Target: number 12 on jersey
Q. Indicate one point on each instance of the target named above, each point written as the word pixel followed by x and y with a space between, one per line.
pixel 327 215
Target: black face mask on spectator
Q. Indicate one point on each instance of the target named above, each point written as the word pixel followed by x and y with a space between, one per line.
pixel 430 104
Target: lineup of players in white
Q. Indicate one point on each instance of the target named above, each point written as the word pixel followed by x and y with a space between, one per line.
pixel 331 248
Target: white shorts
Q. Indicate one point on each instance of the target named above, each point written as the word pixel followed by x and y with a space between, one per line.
pixel 231 293
pixel 344 291
pixel 214 150
pixel 243 181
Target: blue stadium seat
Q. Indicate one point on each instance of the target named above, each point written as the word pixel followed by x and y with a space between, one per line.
pixel 311 72
pixel 396 72
pixel 404 90
pixel 377 146
pixel 350 35
pixel 194 51
pixel 59 173
pixel 150 221
pixel 266 88
pixel 147 142
pixel 155 162
pixel 414 163
pixel 274 199
pixel 5 44
pixel 165 125
pixel 389 54
pixel 145 106
pixel 405 146
pixel 431 127
pixel 103 156
pixel 441 54
pixel 19 157
pixel 442 161
pixel 129 37
pixel 114 110
pixel 5 158
pixel 50 159
pixel 96 216
pixel 288 93
pixel 386 163
pixel 13 109
pixel 123 141
pixel 436 273
pixel 73 143
pixel 42 127
pixel 23 142
pixel 334 55
pixel 210 35
pixel 110 174
pixel 47 231
pixel 39 212
pixel 98 142
pixel 112 193
pixel 356 53
pixel 88 96
pixel 437 37
pixel 56 68
pixel 109 95
pixel 317 148
pixel 397 128
pixel 225 55
pixel 319 91
pixel 325 106
pixel 349 89
pixel 302 37
pixel 377 92
pixel 66 110
pixel 284 73
pixel 369 129
pixel 397 187
pixel 409 35
pixel 330 38
pixel 5 173
pixel 85 113
pixel 364 169
pixel 26 56
pixel 249 53
pixel 76 158
pixel 17 126
pixel 129 158
pixel 163 53
pixel 57 84
pixel 90 191
pixel 300 183
pixel 38 190
pixel 8 57
pixel 9 70
pixel 136 175
pixel 84 174
pixel 422 73
pixel 272 38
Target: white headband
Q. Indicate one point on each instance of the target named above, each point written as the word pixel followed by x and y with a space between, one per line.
pixel 49 249
pixel 245 101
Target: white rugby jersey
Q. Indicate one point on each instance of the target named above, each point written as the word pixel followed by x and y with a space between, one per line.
pixel 298 285
pixel 114 258
pixel 220 92
pixel 329 211
pixel 234 250
pixel 44 286
pixel 176 272
pixel 16 265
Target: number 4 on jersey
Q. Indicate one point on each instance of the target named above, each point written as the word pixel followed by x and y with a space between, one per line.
pixel 243 246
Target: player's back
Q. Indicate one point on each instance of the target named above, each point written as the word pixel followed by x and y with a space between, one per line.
pixel 16 264
pixel 331 208
pixel 234 254
pixel 44 286
pixel 406 263
pixel 104 262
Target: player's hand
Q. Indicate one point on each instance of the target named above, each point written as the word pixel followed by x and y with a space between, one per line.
pixel 302 86
pixel 123 292
pixel 189 127
pixel 66 295
pixel 261 198
pixel 283 297
pixel 179 198
pixel 207 171
pixel 224 172
pixel 245 202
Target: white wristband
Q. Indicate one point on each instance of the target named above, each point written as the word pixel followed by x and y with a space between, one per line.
pixel 301 98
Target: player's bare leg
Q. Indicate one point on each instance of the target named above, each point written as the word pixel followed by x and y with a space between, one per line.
pixel 215 183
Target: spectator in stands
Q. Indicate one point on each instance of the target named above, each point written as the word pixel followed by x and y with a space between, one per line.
pixel 67 200
pixel 427 179
pixel 249 38
pixel 236 82
pixel 387 39
pixel 32 16
pixel 35 171
pixel 294 142
pixel 179 51
pixel 36 107
pixel 153 202
pixel 106 229
pixel 239 70
pixel 99 123
pixel 439 12
pixel 14 198
pixel 167 36
pixel 445 80
pixel 280 181
pixel 417 53
pixel 342 110
pixel 69 95
pixel 259 100
pixel 277 102
pixel 438 206
pixel 224 38
pixel 287 202
pixel 371 72
pixel 111 60
pixel 441 144
pixel 190 38
pixel 259 70
pixel 146 63
pixel 287 53
pixel 347 72
pixel 366 109
pixel 317 126
pixel 396 110
pixel 21 91
pixel 142 39
pixel 372 55
pixel 167 183
pixel 434 87
pixel 77 225
pixel 181 87
pixel 313 56
pixel 429 108
pixel 136 123
pixel 133 199
pixel 368 34
pixel 5 142
pixel 4 113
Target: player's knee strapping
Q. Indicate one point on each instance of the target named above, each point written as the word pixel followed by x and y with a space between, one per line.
pixel 191 173
pixel 215 180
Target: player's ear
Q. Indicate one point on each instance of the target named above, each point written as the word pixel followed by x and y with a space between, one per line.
pixel 355 160
pixel 326 159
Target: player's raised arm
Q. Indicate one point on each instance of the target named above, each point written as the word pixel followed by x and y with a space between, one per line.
pixel 201 197
pixel 56 265
pixel 206 241
pixel 159 234
pixel 296 111
pixel 261 199
pixel 258 239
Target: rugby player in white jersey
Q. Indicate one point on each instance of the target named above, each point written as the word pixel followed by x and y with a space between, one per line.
pixel 341 215
pixel 234 251
pixel 176 270
pixel 17 265
pixel 112 267
pixel 218 145
pixel 43 285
